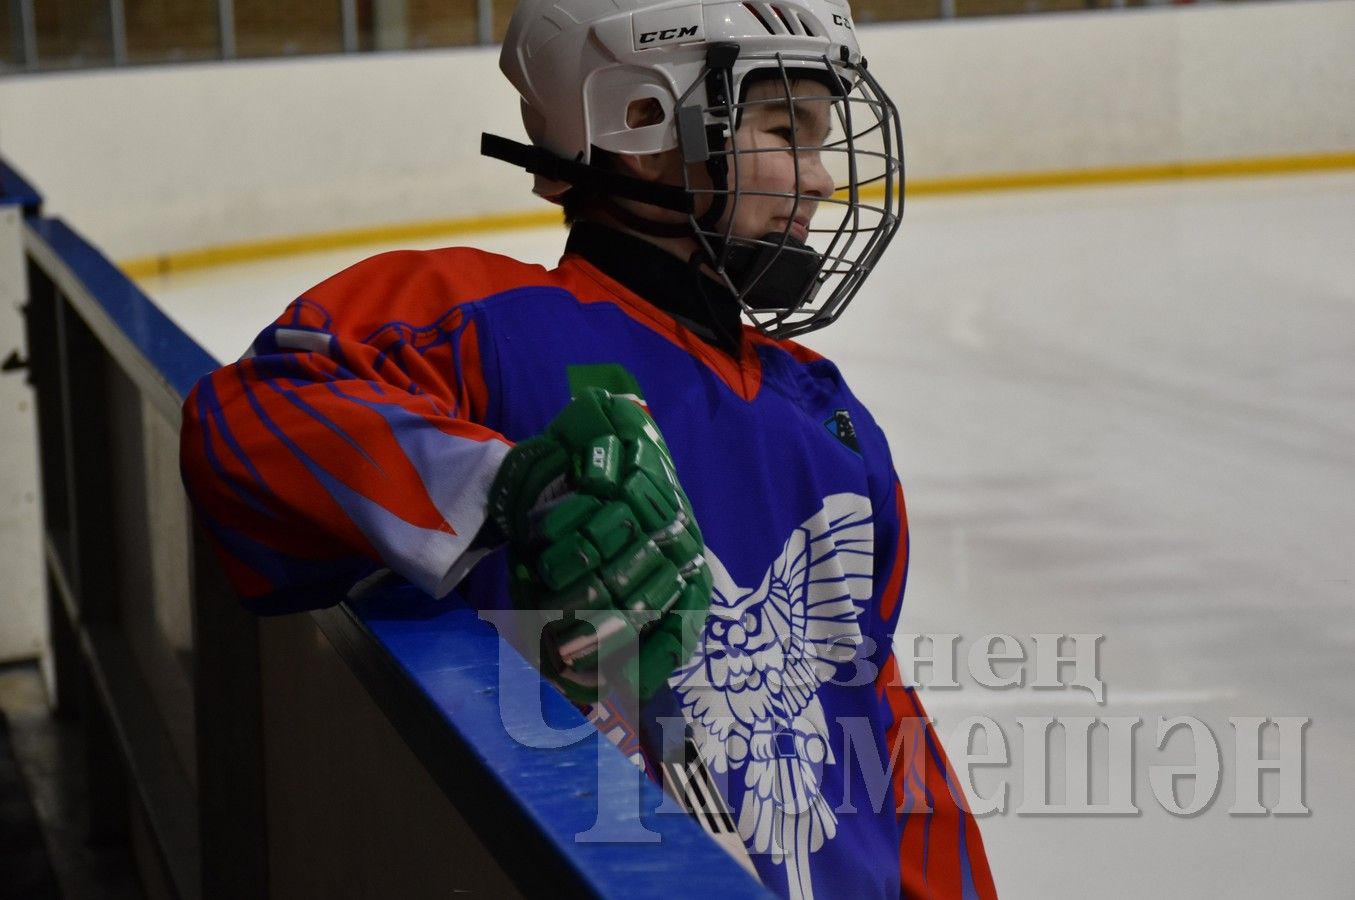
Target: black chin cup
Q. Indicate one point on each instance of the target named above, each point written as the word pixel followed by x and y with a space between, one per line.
pixel 775 273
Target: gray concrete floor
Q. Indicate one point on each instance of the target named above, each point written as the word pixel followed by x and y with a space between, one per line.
pixel 50 754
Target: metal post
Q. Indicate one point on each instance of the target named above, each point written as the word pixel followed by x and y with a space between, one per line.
pixel 29 30
pixel 117 27
pixel 16 36
pixel 24 634
pixel 348 14
pixel 225 20
pixel 947 9
pixel 390 25
pixel 484 21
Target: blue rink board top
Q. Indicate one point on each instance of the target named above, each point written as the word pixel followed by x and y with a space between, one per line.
pixel 179 359
pixel 15 190
pixel 454 659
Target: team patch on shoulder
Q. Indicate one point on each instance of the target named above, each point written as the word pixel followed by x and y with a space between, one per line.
pixel 841 427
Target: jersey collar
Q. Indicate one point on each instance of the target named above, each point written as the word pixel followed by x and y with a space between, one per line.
pixel 678 288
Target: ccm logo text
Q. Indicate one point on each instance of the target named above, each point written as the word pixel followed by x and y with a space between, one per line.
pixel 667 34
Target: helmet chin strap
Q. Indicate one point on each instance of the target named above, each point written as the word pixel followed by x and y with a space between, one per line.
pixel 718 169
pixel 775 273
pixel 640 224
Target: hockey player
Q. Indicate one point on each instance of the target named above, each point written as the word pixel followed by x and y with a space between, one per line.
pixel 631 437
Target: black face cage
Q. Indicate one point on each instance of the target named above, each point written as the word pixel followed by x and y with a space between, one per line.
pixel 786 287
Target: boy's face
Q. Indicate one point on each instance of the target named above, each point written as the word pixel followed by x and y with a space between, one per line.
pixel 765 168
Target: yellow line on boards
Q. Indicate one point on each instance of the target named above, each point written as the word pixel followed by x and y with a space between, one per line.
pixel 1223 168
pixel 273 248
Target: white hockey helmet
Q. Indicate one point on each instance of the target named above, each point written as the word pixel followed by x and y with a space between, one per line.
pixel 580 65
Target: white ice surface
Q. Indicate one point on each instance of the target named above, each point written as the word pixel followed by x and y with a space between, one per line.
pixel 1123 411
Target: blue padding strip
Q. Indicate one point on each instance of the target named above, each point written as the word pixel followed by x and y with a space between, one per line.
pixel 15 189
pixel 453 656
pixel 179 358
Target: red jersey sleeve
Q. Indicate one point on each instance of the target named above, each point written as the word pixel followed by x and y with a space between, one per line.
pixel 346 440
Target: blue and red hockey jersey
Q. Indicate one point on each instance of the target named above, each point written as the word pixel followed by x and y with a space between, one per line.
pixel 362 431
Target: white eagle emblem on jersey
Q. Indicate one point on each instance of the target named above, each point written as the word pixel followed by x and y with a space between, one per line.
pixel 750 691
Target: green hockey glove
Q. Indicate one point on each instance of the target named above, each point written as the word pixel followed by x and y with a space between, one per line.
pixel 599 529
